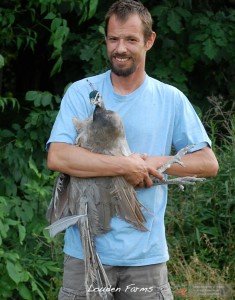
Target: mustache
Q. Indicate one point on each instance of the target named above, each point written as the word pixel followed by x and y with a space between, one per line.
pixel 120 55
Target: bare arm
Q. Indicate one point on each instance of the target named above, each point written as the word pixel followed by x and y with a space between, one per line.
pixel 80 162
pixel 201 163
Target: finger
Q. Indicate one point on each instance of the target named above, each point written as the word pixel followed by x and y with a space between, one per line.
pixel 148 182
pixel 156 174
pixel 142 184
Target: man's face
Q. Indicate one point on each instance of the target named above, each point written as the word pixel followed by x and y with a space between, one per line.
pixel 125 45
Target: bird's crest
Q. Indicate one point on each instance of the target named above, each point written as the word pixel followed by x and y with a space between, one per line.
pixel 95 96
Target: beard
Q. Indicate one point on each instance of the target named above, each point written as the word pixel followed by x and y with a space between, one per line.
pixel 120 71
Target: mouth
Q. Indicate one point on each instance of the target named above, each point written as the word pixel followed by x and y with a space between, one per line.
pixel 121 59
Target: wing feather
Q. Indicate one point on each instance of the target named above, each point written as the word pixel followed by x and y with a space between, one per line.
pixel 126 203
pixel 58 207
pixel 63 224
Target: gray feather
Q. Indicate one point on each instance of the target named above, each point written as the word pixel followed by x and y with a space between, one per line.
pixel 63 224
pixel 58 207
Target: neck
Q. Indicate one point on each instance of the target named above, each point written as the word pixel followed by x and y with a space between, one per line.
pixel 126 85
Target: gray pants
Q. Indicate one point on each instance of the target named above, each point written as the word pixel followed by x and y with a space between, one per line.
pixel 128 283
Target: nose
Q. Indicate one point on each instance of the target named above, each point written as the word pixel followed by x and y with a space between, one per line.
pixel 121 46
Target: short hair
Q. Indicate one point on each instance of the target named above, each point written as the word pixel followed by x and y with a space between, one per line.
pixel 122 9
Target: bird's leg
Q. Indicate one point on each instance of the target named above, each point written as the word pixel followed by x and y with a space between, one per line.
pixel 175 159
pixel 179 180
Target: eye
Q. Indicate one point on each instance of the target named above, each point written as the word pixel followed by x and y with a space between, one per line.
pixel 112 39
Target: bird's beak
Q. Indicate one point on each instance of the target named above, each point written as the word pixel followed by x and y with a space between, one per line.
pixel 97 100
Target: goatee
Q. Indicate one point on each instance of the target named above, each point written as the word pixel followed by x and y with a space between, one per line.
pixel 122 72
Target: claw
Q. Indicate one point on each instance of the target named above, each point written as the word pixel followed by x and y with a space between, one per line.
pixel 183 151
pixel 180 181
pixel 176 159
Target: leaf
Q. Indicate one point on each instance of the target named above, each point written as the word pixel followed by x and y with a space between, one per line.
pixel 173 21
pixel 31 95
pixel 210 48
pixel 184 13
pixel 55 24
pixel 22 233
pixel 201 37
pixel 187 64
pixel 34 168
pixel 4 101
pixel 13 272
pixel 198 236
pixel 159 10
pixel 3 229
pixel 92 8
pixel 46 99
pixel 6 133
pixel 24 292
pixel 101 30
pixel 195 50
pixel 37 290
pixel 1 61
pixel 50 16
pixel 57 66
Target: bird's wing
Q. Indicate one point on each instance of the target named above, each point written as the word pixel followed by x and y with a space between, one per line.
pixel 95 194
pixel 58 207
pixel 126 203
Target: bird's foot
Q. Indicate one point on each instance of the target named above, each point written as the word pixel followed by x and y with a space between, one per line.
pixel 175 159
pixel 181 181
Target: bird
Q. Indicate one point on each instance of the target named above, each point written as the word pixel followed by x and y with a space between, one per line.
pixel 91 203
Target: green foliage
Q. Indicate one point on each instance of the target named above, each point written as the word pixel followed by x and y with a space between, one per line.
pixel 1 61
pixel 4 101
pixel 189 39
pixel 90 49
pixel 201 220
pixel 25 25
pixel 26 261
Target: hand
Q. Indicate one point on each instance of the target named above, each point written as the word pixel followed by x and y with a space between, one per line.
pixel 139 171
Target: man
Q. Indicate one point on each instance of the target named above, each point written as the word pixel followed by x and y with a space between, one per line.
pixel 155 117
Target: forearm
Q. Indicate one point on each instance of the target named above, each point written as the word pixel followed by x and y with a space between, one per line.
pixel 202 163
pixel 79 162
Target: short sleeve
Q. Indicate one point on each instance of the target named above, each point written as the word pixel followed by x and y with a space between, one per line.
pixel 75 103
pixel 188 128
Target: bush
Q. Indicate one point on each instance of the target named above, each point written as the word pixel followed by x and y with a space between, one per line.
pixel 200 220
pixel 28 257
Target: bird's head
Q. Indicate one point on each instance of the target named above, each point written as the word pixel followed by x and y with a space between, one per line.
pixel 96 99
pixel 107 123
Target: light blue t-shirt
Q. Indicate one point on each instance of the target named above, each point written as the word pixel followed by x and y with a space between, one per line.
pixel 155 117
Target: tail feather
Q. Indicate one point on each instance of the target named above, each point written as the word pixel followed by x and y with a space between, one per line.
pixel 95 275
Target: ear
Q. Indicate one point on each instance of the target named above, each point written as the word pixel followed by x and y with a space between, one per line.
pixel 150 41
